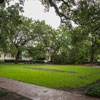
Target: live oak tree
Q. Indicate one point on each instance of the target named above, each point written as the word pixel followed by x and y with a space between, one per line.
pixel 84 13
pixel 87 16
pixel 16 30
pixel 9 18
pixel 19 32
pixel 26 34
pixel 22 35
pixel 43 41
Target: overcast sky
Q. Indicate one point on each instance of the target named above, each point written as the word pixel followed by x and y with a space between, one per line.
pixel 35 10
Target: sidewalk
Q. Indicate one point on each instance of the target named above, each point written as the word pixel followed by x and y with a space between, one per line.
pixel 40 93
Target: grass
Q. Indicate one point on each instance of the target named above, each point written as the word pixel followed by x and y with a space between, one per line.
pixel 81 77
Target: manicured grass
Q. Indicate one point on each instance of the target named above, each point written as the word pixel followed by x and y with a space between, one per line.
pixel 74 77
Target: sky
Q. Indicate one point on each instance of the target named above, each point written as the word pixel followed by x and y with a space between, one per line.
pixel 35 10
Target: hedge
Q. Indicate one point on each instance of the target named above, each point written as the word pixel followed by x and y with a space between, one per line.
pixel 94 90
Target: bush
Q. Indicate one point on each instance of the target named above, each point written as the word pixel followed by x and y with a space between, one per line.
pixel 9 61
pixel 3 92
pixel 94 90
pixel 31 62
pixel 39 61
pixel 61 59
pixel 26 61
pixel 1 61
pixel 20 61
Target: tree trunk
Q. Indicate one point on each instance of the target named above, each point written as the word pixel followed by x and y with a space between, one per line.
pixel 92 57
pixel 92 52
pixel 17 56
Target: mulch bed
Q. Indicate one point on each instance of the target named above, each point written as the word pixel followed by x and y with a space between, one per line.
pixel 12 96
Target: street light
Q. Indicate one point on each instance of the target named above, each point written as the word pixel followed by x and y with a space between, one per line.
pixel 1 1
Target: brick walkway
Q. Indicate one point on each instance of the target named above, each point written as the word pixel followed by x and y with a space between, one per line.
pixel 40 93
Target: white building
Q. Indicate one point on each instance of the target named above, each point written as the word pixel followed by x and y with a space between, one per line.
pixel 6 57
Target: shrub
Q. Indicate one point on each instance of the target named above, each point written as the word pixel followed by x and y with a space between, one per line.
pixel 94 90
pixel 39 61
pixel 1 61
pixel 13 61
pixel 9 61
pixel 3 92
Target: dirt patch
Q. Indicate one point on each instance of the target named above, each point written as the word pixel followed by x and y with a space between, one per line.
pixel 76 90
pixel 89 75
pixel 53 70
pixel 80 90
pixel 12 96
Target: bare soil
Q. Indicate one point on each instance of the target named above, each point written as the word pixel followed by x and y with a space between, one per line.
pixel 80 90
pixel 53 70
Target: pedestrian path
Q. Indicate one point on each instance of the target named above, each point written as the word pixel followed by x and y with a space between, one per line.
pixel 35 92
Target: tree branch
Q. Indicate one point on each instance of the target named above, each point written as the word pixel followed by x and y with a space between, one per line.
pixel 57 11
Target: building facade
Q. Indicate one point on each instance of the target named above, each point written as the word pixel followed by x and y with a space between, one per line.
pixel 6 57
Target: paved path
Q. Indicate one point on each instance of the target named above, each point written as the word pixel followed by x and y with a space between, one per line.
pixel 39 93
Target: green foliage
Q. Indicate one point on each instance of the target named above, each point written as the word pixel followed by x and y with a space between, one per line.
pixel 85 14
pixel 70 47
pixel 94 90
pixel 3 92
pixel 37 53
pixel 9 61
pixel 1 61
pixel 9 19
pixel 67 44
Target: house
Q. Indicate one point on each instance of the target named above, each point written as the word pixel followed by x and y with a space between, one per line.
pixel 6 57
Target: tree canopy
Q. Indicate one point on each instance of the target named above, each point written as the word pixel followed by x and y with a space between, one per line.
pixel 71 44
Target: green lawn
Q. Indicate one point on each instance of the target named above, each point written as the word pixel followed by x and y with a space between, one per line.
pixel 74 76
